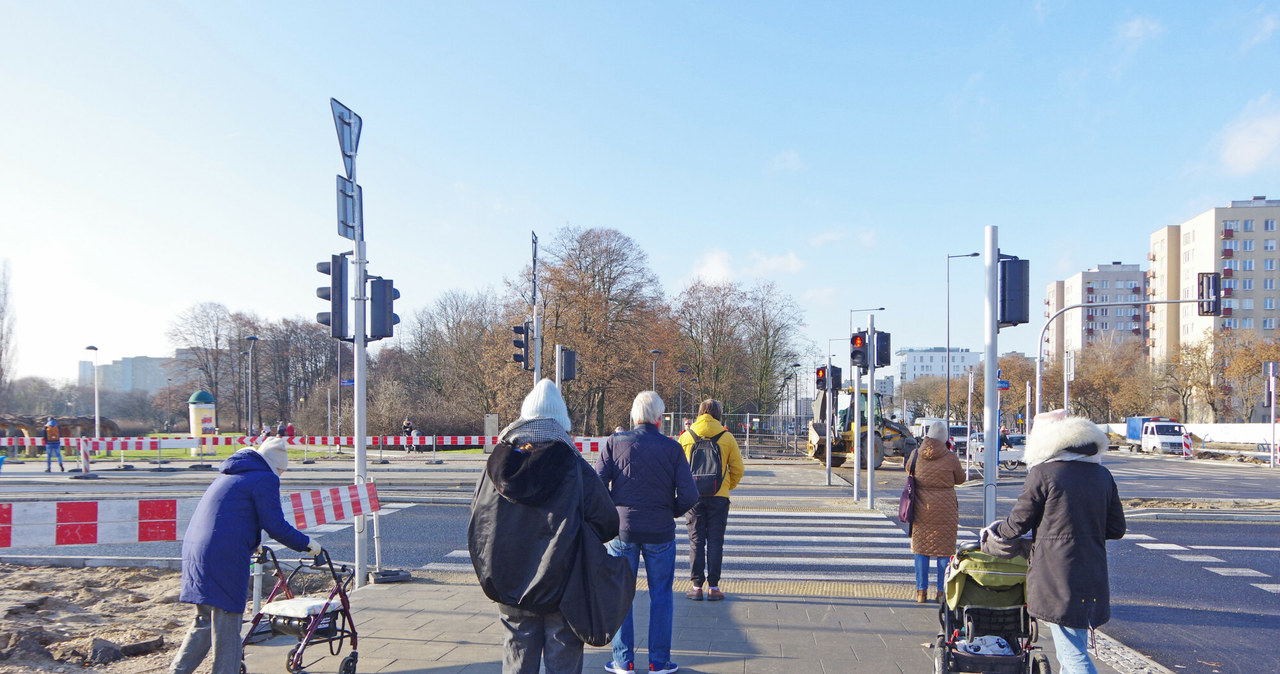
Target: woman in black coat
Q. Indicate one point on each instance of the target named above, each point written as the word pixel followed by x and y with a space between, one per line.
pixel 1071 503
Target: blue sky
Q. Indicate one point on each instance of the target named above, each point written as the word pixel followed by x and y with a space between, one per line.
pixel 159 154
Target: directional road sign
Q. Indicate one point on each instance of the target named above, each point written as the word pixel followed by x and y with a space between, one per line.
pixel 348 125
pixel 1002 384
pixel 347 382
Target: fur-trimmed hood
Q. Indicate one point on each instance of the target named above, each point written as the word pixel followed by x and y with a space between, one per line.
pixel 1058 437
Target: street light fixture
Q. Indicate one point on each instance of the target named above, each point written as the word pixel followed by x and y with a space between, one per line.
pixel 654 384
pixel 252 339
pixel 947 363
pixel 97 425
pixel 681 372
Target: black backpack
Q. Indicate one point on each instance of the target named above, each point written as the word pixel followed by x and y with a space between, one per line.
pixel 705 463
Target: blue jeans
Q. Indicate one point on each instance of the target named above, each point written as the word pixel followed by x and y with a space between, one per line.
pixel 660 569
pixel 1072 645
pixel 49 452
pixel 922 571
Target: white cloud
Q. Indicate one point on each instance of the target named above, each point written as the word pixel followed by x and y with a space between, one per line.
pixel 763 265
pixel 867 238
pixel 787 161
pixel 714 265
pixel 825 238
pixel 1253 139
pixel 1134 33
pixel 1261 30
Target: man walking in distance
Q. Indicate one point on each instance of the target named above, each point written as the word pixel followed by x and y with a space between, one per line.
pixel 225 528
pixel 52 445
pixel 709 517
pixel 651 485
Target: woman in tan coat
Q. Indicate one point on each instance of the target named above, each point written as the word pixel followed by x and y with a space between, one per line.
pixel 937 512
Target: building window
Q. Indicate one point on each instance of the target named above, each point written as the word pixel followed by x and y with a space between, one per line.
pixel 1103 325
pixel 1269 264
pixel 1268 244
pixel 1229 244
pixel 1246 323
pixel 1228 304
pixel 1268 303
pixel 1090 325
pixel 1268 284
pixel 1248 226
pixel 1104 284
pixel 1102 311
pixel 1246 245
pixel 1268 324
pixel 1229 323
pixel 1246 304
pixel 1269 225
pixel 1229 283
pixel 1246 265
pixel 1231 224
pixel 1246 284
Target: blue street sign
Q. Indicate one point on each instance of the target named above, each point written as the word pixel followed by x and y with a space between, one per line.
pixel 1002 384
pixel 350 209
pixel 348 125
pixel 348 382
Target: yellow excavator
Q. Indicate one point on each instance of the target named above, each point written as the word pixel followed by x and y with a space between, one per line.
pixel 891 437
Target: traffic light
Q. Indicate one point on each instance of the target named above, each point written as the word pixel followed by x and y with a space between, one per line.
pixel 522 343
pixel 568 365
pixel 336 294
pixel 837 379
pixel 822 379
pixel 1015 292
pixel 382 317
pixel 883 352
pixel 1209 292
pixel 858 350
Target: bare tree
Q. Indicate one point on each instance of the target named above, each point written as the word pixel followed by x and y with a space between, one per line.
pixel 771 322
pixel 201 334
pixel 6 334
pixel 712 330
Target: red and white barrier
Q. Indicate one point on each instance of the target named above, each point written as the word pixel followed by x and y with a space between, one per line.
pixel 584 443
pixel 1186 446
pixel 51 523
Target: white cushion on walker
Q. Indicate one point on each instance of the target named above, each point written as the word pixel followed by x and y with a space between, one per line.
pixel 300 607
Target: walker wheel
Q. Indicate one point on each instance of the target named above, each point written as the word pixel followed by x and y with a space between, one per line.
pixel 243 669
pixel 288 663
pixel 348 665
pixel 1040 664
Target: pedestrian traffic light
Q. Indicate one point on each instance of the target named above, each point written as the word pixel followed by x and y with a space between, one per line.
pixel 1209 292
pixel 858 350
pixel 837 379
pixel 382 317
pixel 568 364
pixel 1015 292
pixel 336 294
pixel 883 353
pixel 522 343
pixel 822 379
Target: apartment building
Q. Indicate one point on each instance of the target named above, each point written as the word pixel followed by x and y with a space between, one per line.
pixel 1239 242
pixel 932 362
pixel 1104 284
pixel 135 373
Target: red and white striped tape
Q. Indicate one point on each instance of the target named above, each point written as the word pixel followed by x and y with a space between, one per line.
pixel 474 440
pixel 1186 445
pixel 51 523
pixel 584 443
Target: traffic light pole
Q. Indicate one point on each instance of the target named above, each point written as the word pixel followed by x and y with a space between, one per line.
pixel 827 418
pixel 361 531
pixel 991 331
pixel 871 414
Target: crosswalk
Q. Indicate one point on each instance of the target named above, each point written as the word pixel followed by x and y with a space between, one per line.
pixel 791 546
pixel 1195 554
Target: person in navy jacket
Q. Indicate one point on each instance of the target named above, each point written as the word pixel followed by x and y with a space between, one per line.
pixel 217 548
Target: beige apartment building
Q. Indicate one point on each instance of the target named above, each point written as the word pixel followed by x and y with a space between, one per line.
pixel 1104 284
pixel 1239 242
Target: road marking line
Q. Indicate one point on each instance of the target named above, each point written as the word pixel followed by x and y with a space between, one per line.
pixel 1236 572
pixel 1161 546
pixel 1233 547
pixel 1268 587
pixel 1138 537
pixel 866 576
pixel 1200 559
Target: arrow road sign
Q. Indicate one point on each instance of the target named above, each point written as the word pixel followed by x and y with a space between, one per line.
pixel 350 208
pixel 348 125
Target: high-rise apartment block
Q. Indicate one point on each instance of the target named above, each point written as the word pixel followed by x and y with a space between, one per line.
pixel 932 362
pixel 1240 243
pixel 1105 284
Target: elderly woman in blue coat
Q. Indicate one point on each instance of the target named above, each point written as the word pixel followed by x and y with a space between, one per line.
pixel 225 529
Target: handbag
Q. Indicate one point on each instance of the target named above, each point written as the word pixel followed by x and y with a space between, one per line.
pixel 907 502
pixel 598 593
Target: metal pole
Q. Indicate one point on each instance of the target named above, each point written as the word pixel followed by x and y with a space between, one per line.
pixel 990 437
pixel 559 349
pixel 968 428
pixel 946 365
pixel 855 409
pixel 871 426
pixel 97 420
pixel 1271 369
pixel 358 338
pixel 537 322
pixel 1026 422
pixel 827 418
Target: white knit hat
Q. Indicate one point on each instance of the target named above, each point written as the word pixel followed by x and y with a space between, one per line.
pixel 937 431
pixel 276 452
pixel 1056 436
pixel 544 401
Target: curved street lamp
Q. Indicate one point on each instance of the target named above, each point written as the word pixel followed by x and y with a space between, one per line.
pixel 252 339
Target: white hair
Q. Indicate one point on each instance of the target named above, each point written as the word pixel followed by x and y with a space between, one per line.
pixel 647 408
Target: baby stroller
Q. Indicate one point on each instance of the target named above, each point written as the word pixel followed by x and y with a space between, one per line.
pixel 311 619
pixel 985 624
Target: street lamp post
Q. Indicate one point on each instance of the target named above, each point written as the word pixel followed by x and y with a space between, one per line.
pixel 680 407
pixel 795 407
pixel 168 403
pixel 654 384
pixel 252 339
pixel 97 424
pixel 947 363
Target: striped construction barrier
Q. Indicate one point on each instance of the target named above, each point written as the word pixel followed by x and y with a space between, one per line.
pixel 584 443
pixel 53 523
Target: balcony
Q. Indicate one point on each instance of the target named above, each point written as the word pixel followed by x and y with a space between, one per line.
pixel 1226 311
pixel 1227 252
pixel 1228 292
pixel 1151 257
pixel 1089 331
pixel 1228 233
pixel 1227 273
pixel 1137 331
pixel 1088 289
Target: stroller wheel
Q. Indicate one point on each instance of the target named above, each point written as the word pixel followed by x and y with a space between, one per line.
pixel 1040 664
pixel 940 651
pixel 243 669
pixel 348 665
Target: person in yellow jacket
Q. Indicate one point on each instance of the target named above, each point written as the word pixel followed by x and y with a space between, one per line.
pixel 707 520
